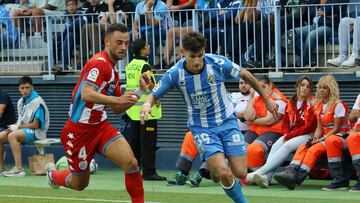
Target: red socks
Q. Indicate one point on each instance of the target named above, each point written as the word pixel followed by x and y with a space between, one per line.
pixel 134 186
pixel 59 177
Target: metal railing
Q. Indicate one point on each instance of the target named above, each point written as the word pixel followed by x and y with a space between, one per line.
pixel 270 39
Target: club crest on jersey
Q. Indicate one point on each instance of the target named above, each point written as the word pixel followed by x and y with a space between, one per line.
pixel 93 74
pixel 83 165
pixel 211 79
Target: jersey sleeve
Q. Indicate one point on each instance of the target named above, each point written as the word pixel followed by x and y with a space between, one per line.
pixel 96 73
pixel 230 69
pixel 161 11
pixel 40 116
pixel 165 84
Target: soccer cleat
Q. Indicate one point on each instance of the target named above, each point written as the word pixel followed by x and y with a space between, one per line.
pixel 355 188
pixel 179 179
pixel 14 172
pixel 261 180
pixel 336 186
pixel 250 177
pixel 49 169
pixel 286 178
pixel 195 180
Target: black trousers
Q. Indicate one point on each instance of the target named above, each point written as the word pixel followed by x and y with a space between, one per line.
pixel 142 139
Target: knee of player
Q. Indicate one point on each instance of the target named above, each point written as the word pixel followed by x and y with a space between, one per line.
pixel 12 136
pixel 131 164
pixel 224 173
pixel 240 173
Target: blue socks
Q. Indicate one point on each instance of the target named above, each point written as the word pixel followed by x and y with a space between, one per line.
pixel 235 193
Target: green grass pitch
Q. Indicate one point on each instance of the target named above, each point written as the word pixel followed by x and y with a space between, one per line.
pixel 107 185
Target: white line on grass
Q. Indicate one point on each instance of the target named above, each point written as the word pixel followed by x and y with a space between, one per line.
pixel 67 198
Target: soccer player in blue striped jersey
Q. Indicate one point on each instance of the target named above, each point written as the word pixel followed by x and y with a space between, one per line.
pixel 200 79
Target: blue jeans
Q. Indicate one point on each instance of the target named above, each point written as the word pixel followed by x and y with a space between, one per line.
pixel 7 42
pixel 71 37
pixel 310 36
pixel 153 38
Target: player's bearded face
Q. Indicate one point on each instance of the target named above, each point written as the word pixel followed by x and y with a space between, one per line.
pixel 118 44
pixel 194 61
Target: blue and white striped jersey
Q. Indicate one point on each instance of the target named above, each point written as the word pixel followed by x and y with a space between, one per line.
pixel 208 104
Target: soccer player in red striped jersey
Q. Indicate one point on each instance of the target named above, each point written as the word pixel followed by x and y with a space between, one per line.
pixel 88 131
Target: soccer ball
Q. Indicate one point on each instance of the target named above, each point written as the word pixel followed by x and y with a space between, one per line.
pixel 62 164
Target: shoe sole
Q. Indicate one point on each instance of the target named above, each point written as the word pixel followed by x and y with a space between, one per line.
pixel 14 175
pixel 340 189
pixel 284 182
pixel 259 181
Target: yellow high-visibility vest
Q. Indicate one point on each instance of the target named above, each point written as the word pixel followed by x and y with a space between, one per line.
pixel 133 73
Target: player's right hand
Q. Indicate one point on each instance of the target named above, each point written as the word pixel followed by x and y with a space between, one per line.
pixel 129 98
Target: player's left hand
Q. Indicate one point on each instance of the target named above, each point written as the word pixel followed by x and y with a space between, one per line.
pixel 145 81
pixel 272 107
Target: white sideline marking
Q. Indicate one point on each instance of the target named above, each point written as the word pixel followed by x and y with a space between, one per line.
pixel 67 198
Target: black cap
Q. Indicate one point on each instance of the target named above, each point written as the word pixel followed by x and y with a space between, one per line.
pixel 136 46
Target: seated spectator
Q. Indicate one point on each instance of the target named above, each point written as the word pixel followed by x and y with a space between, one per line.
pixel 307 38
pixel 9 35
pixel 331 114
pixel 37 9
pixel 181 17
pixel 94 32
pixel 265 128
pixel 335 146
pixel 348 25
pixel 71 35
pixel 299 122
pixel 90 31
pixel 152 20
pixel 32 124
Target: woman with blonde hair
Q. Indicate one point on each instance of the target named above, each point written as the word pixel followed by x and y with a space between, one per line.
pixel 331 115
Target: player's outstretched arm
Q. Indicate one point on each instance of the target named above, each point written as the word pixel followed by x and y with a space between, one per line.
pixel 117 104
pixel 270 105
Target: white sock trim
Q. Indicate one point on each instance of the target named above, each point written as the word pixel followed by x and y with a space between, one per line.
pixel 228 188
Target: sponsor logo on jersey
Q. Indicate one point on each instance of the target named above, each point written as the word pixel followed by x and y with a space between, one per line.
pixel 157 86
pixel 83 165
pixel 93 74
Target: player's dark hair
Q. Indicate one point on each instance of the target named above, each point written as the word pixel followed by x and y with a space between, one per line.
pixel 194 42
pixel 117 27
pixel 24 80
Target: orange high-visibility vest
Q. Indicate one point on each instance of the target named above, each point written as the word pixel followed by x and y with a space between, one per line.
pixel 327 118
pixel 261 111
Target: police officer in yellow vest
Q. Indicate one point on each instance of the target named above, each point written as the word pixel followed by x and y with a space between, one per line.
pixel 142 138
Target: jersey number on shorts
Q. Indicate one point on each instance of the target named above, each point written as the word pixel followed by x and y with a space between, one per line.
pixel 82 153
